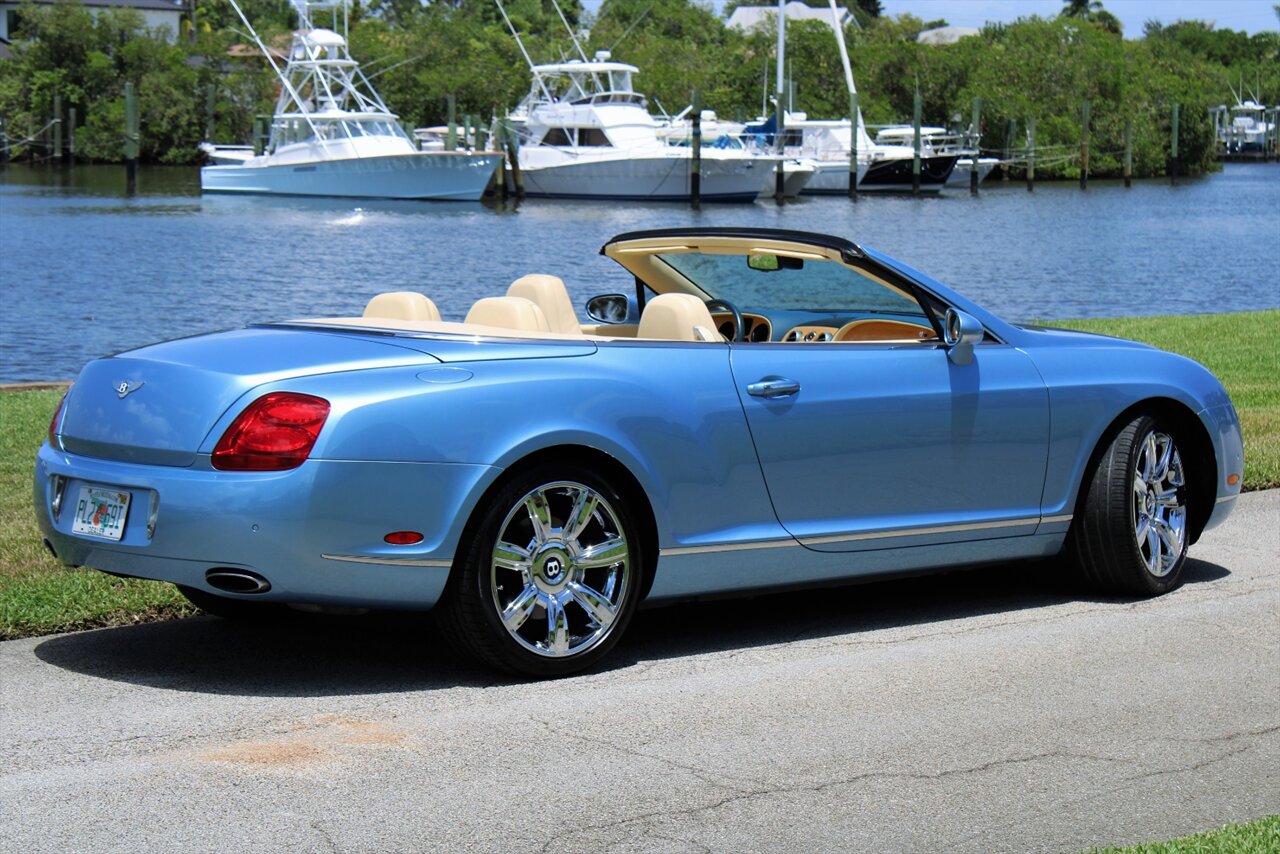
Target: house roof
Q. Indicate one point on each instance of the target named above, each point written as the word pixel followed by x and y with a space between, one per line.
pixel 176 6
pixel 748 17
pixel 946 35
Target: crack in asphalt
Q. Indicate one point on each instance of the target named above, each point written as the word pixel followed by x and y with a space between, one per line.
pixel 739 794
pixel 1125 783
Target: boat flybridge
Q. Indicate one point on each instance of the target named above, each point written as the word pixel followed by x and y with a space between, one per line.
pixel 586 133
pixel 332 135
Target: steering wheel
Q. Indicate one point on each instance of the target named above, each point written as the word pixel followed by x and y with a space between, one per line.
pixel 739 327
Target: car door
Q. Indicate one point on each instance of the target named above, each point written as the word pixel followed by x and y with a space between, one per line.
pixel 869 446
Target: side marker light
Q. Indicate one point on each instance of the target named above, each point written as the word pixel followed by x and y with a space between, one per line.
pixel 403 538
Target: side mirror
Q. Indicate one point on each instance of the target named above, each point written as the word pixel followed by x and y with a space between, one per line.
pixel 613 308
pixel 960 332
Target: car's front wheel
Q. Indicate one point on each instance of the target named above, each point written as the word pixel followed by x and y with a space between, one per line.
pixel 551 577
pixel 1131 536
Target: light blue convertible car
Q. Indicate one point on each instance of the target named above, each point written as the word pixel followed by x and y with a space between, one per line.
pixel 764 409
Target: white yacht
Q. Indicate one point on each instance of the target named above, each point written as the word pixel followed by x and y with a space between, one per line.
pixel 823 142
pixel 1249 128
pixel 586 133
pixel 332 135
pixel 937 140
pixel 798 172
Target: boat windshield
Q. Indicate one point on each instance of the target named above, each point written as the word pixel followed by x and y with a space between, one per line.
pixel 293 129
pixel 765 281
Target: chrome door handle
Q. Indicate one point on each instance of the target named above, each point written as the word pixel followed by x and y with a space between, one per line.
pixel 771 387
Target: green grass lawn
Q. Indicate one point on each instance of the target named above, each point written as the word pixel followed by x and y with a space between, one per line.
pixel 37 596
pixel 1255 837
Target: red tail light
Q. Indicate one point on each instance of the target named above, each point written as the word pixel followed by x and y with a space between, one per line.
pixel 276 432
pixel 53 422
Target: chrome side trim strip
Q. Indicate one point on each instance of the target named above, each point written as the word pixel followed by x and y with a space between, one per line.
pixel 917 532
pixel 1224 499
pixel 388 561
pixel 731 547
pixel 869 535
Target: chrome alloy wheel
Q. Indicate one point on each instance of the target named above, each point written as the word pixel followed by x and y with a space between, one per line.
pixel 1159 504
pixel 560 570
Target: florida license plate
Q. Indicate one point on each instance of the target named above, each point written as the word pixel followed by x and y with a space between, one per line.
pixel 101 513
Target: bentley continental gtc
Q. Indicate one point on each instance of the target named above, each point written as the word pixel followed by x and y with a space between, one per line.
pixel 757 409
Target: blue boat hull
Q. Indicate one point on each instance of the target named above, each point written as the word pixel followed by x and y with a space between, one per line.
pixel 455 176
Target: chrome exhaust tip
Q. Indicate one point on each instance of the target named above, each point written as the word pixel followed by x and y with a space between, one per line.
pixel 236 580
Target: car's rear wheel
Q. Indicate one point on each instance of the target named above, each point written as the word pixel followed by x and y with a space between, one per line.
pixel 1131 536
pixel 551 577
pixel 241 610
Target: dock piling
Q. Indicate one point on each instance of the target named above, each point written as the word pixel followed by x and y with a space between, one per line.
pixel 853 146
pixel 1128 152
pixel 916 108
pixel 71 133
pixel 1084 145
pixel 451 136
pixel 58 153
pixel 1173 147
pixel 1031 154
pixel 131 138
pixel 1009 127
pixel 975 127
pixel 695 162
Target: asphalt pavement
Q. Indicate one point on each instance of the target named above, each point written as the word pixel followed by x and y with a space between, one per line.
pixel 992 710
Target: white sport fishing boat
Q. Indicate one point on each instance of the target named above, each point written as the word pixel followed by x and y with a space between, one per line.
pixel 586 133
pixel 332 135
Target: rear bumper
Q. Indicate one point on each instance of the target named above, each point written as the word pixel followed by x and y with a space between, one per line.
pixel 315 533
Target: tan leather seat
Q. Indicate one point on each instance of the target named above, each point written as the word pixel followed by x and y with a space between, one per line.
pixel 677 317
pixel 402 305
pixel 549 294
pixel 508 313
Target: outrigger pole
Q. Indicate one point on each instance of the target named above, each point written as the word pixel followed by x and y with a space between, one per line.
pixel 572 35
pixel 271 60
pixel 520 44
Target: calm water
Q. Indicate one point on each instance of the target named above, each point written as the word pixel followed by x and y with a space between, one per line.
pixel 85 271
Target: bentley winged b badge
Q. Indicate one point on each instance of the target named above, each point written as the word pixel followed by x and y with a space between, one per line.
pixel 125 387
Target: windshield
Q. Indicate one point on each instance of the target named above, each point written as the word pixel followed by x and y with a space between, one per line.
pixel 763 282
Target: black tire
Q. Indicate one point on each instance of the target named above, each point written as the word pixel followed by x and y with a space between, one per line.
pixel 546 583
pixel 1130 536
pixel 239 610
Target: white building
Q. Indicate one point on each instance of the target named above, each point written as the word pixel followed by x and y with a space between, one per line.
pixel 155 13
pixel 946 35
pixel 746 18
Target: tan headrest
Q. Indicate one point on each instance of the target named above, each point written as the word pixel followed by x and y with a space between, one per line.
pixel 508 313
pixel 549 294
pixel 677 317
pixel 402 305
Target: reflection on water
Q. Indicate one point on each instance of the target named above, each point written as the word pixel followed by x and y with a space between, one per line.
pixel 88 271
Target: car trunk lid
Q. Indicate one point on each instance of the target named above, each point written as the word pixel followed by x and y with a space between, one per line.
pixel 156 405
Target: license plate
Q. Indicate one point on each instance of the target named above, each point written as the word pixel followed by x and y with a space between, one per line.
pixel 101 513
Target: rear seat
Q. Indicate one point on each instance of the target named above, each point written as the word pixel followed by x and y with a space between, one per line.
pixel 508 313
pixel 402 305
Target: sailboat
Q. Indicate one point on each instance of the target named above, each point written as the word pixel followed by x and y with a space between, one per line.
pixel 332 135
